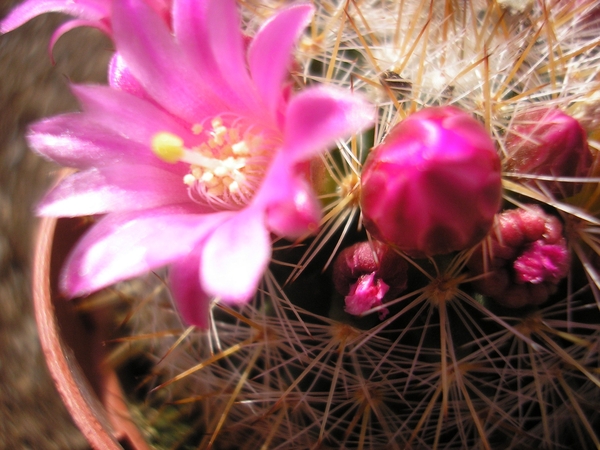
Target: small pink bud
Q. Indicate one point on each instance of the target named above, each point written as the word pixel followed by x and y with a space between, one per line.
pixel 541 262
pixel 548 142
pixel 529 257
pixel 365 273
pixel 433 186
pixel 366 293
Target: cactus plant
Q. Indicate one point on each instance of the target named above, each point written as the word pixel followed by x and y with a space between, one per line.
pixel 452 364
pixel 449 366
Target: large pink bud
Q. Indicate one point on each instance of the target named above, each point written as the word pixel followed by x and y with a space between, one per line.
pixel 433 186
pixel 547 141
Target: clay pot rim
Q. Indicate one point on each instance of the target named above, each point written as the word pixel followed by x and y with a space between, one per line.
pixel 105 422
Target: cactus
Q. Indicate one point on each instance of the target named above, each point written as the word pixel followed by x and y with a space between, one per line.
pixel 451 365
pixel 330 353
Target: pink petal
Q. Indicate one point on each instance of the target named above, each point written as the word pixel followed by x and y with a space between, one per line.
pixel 124 245
pixel 228 48
pixel 190 25
pixel 159 64
pixel 132 117
pixel 318 116
pixel 93 10
pixel 192 302
pixel 269 55
pixel 162 8
pixel 235 257
pixel 73 140
pixel 120 77
pixel 113 189
pixel 291 206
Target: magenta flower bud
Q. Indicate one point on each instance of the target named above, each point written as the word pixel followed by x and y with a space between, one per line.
pixel 528 258
pixel 365 273
pixel 433 186
pixel 542 262
pixel 548 142
pixel 368 292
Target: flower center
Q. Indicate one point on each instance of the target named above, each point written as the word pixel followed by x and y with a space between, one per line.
pixel 225 168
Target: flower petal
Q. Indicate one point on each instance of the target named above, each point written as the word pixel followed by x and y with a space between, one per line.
pixel 74 140
pixel 132 117
pixel 228 48
pixel 192 302
pixel 269 54
pixel 93 10
pixel 120 77
pixel 151 53
pixel 190 26
pixel 291 206
pixel 123 245
pixel 318 116
pixel 235 257
pixel 113 189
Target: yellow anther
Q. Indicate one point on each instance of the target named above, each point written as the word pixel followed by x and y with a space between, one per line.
pixel 219 135
pixel 168 147
pixel 240 148
pixel 207 177
pixel 189 179
pixel 197 128
pixel 234 187
pixel 196 172
pixel 221 171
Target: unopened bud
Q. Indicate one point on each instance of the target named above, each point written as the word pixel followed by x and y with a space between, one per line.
pixel 365 273
pixel 528 258
pixel 547 141
pixel 433 186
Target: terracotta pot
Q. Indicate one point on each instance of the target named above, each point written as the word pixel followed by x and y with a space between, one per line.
pixel 73 345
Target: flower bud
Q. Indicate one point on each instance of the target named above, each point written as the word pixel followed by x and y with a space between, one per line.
pixel 547 141
pixel 365 273
pixel 433 186
pixel 528 258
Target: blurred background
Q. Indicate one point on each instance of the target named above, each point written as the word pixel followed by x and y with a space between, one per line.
pixel 32 415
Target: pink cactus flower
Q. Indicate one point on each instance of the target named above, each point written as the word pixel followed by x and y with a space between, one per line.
pixel 433 186
pixel 365 273
pixel 194 153
pixel 528 257
pixel 547 141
